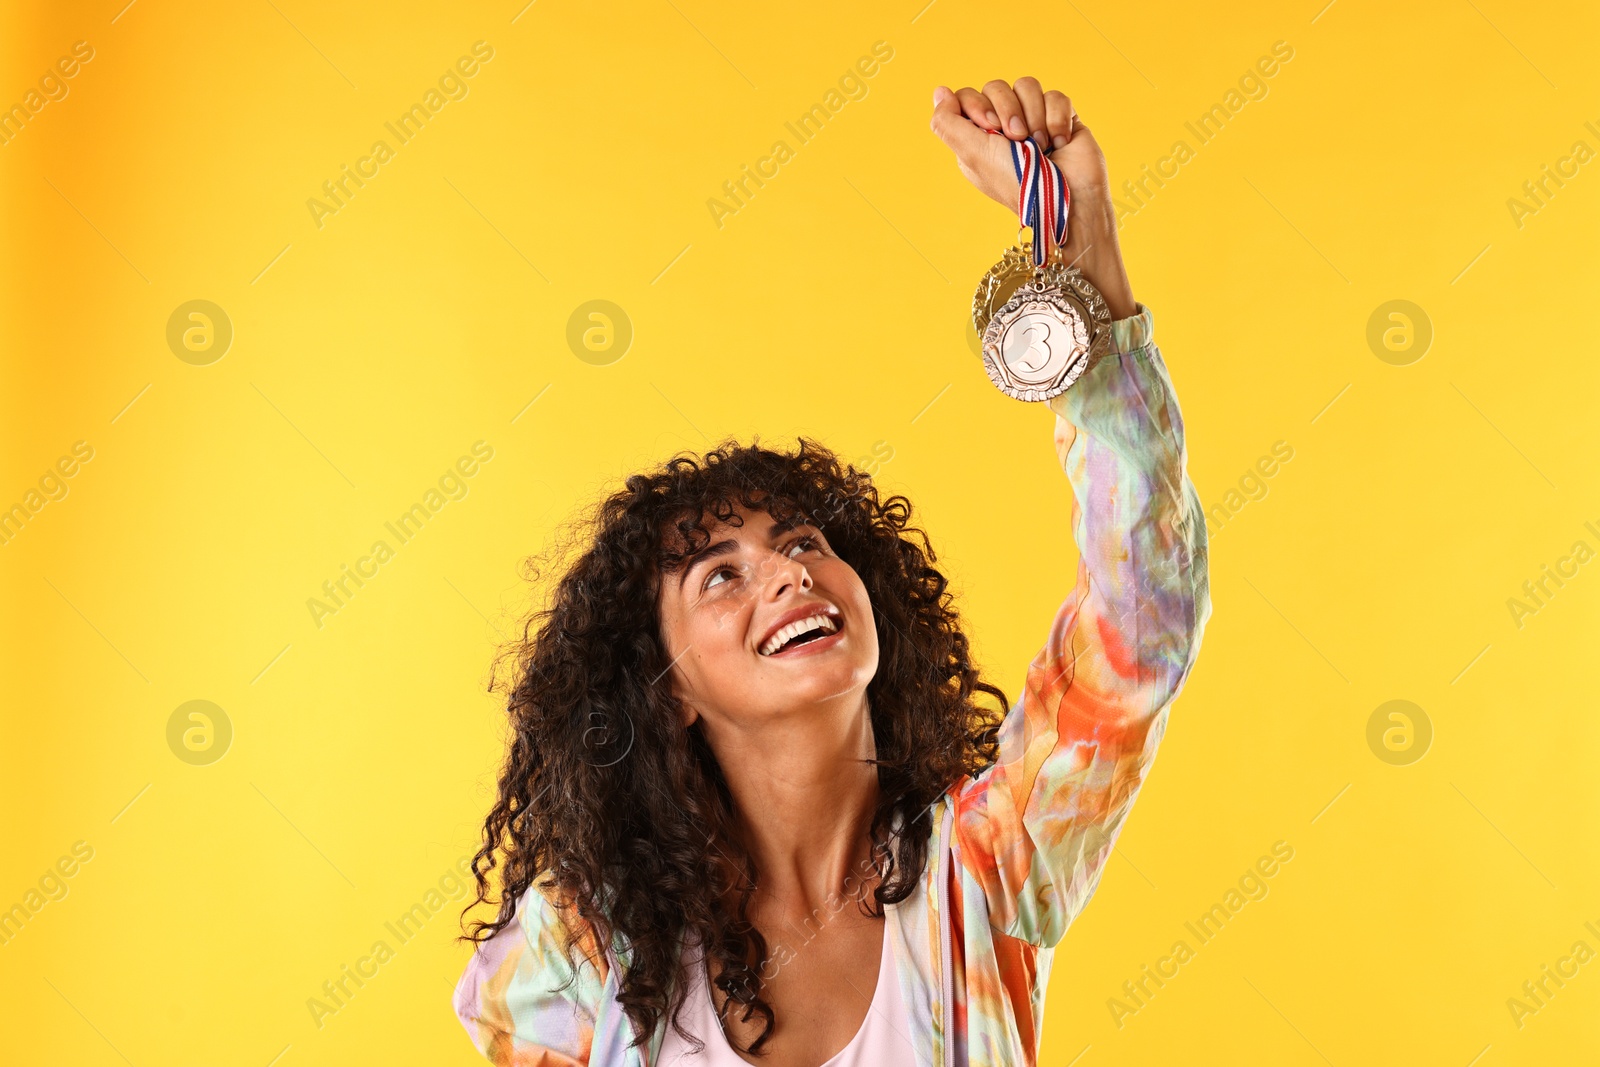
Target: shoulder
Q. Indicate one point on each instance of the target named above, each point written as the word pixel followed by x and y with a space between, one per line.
pixel 524 991
pixel 562 941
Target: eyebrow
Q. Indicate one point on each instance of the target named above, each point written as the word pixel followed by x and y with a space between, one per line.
pixel 727 545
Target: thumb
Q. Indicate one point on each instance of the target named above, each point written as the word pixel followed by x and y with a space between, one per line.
pixel 953 128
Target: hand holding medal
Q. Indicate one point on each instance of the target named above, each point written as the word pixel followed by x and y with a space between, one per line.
pixel 1044 311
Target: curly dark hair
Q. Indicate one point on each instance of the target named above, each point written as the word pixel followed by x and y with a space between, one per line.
pixel 624 814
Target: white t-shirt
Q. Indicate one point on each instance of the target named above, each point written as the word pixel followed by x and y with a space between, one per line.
pixel 884 1039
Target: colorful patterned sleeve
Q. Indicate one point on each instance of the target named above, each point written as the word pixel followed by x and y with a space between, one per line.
pixel 509 999
pixel 1034 830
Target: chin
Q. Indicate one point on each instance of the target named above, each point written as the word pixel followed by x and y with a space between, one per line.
pixel 839 683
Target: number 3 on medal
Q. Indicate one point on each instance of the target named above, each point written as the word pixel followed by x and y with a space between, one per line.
pixel 1034 340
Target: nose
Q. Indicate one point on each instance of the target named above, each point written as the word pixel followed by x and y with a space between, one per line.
pixel 790 574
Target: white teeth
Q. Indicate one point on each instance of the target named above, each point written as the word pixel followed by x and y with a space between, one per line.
pixel 795 629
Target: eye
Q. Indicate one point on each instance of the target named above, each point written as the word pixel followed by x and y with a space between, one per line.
pixel 810 541
pixel 724 568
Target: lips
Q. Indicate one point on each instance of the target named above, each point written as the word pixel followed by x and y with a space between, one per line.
pixel 823 618
pixel 813 640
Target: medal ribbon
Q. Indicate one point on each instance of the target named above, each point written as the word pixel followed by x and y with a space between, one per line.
pixel 1043 198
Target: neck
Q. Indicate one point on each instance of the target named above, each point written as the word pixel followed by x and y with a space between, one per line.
pixel 803 798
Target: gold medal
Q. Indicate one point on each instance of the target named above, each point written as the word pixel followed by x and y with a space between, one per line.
pixel 1042 327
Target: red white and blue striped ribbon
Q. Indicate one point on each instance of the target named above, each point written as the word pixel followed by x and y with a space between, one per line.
pixel 1043 198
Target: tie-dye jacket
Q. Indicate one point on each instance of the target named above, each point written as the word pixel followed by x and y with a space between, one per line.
pixel 1017 851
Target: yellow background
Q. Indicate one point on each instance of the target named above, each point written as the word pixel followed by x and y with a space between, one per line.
pixel 428 312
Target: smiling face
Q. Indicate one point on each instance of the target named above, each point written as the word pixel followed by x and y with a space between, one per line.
pixel 754 585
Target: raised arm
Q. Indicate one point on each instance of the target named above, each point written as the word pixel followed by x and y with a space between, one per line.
pixel 1036 829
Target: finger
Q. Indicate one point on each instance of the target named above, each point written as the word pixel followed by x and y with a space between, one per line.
pixel 1082 136
pixel 1031 96
pixel 953 128
pixel 1008 108
pixel 976 107
pixel 1060 118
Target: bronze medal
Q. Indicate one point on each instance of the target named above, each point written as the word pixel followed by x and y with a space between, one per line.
pixel 1041 327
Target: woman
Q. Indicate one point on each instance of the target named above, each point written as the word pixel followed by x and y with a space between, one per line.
pixel 753 810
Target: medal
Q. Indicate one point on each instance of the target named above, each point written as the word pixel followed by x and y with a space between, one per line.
pixel 1041 321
